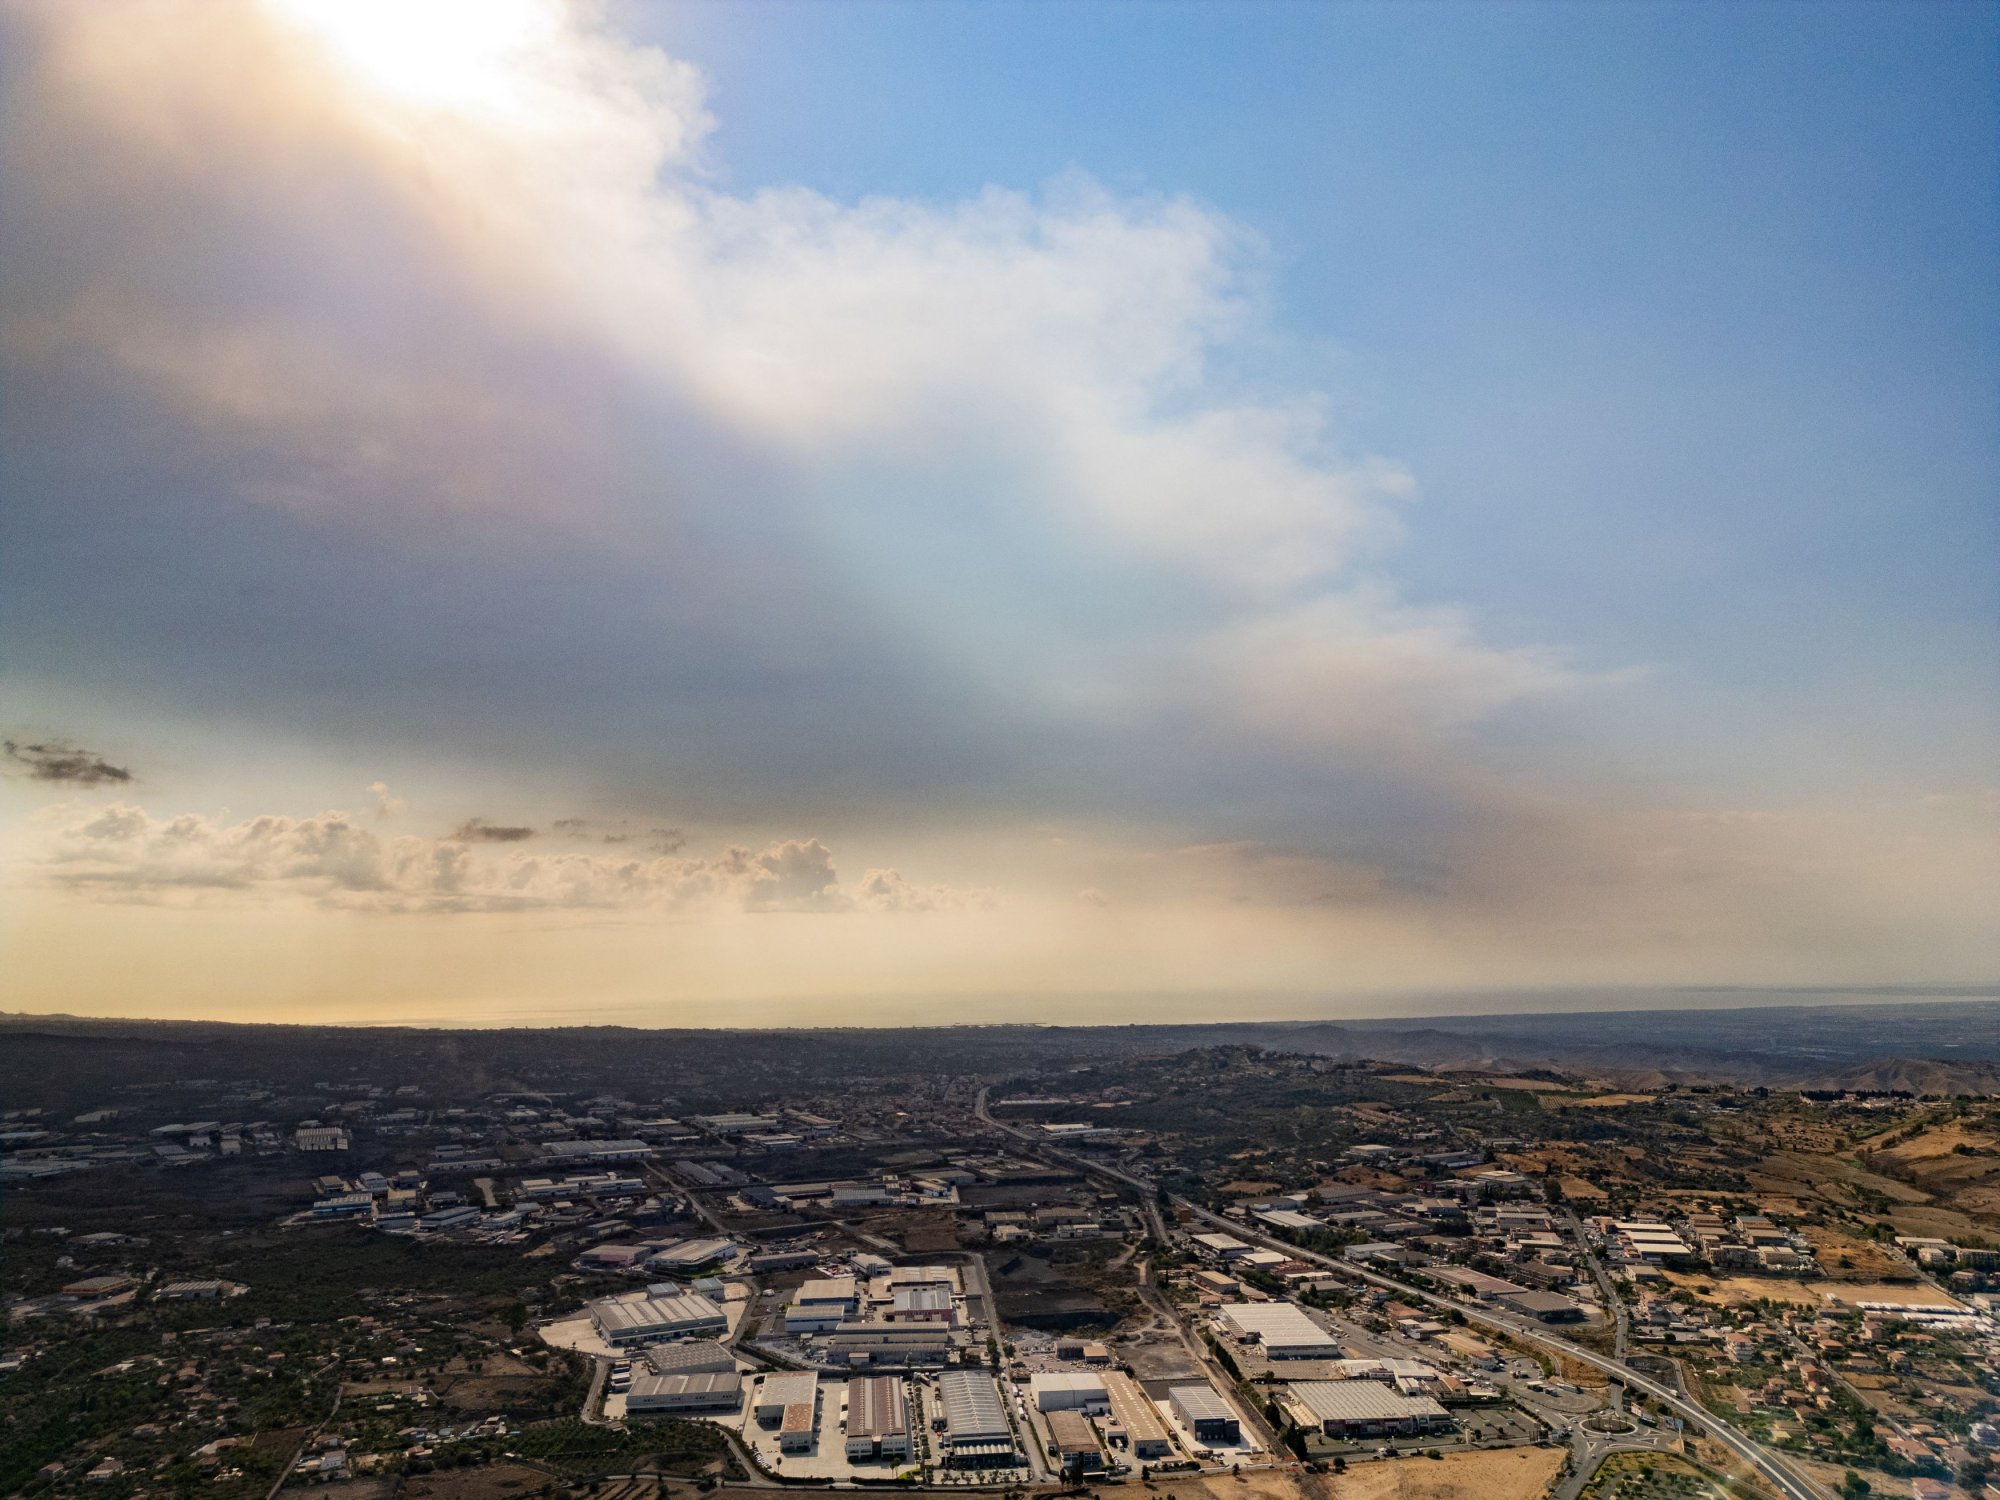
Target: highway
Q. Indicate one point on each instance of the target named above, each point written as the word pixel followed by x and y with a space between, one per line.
pixel 1788 1481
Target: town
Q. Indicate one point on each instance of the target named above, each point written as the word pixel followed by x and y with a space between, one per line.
pixel 1184 1271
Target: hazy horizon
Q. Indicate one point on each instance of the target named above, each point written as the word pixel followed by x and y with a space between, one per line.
pixel 713 509
pixel 844 1013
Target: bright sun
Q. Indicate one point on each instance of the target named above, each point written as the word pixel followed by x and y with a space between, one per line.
pixel 459 56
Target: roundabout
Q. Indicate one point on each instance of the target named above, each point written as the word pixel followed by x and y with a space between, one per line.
pixel 1610 1424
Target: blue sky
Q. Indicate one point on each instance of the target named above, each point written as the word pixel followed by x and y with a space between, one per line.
pixel 897 499
pixel 1684 316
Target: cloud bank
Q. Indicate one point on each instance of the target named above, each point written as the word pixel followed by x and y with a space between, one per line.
pixel 122 852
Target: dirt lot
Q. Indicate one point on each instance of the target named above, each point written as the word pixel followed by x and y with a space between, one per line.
pixel 1504 1474
pixel 1845 1258
pixel 919 1233
pixel 489 1483
pixel 1152 1349
pixel 1741 1291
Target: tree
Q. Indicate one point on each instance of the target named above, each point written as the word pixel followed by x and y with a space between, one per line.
pixel 1853 1486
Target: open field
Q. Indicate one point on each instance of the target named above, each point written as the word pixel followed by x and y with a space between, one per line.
pixel 1504 1474
pixel 1910 1294
pixel 1846 1258
pixel 1955 1163
pixel 1526 1085
pixel 1608 1101
pixel 1805 1175
pixel 1937 1221
pixel 488 1483
pixel 1742 1291
pixel 1943 1153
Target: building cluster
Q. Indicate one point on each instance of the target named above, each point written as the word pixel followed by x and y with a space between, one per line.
pixel 879 1315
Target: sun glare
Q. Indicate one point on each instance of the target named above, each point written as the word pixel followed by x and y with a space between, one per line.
pixel 458 56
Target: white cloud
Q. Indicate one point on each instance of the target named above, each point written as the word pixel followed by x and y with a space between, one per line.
pixel 1360 669
pixel 462 259
pixel 122 852
pixel 887 890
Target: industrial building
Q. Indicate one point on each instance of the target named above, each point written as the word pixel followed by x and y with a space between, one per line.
pixel 922 1304
pixel 645 1320
pixel 1135 1421
pixel 894 1345
pixel 596 1150
pixel 1362 1408
pixel 798 1428
pixel 791 1388
pixel 822 1305
pixel 1290 1220
pixel 178 1291
pixel 1072 1444
pixel 902 1276
pixel 686 1255
pixel 790 1402
pixel 1206 1414
pixel 689 1357
pixel 1067 1390
pixel 781 1260
pixel 878 1420
pixel 1545 1307
pixel 977 1435
pixel 1218 1247
pixel 1282 1328
pixel 708 1390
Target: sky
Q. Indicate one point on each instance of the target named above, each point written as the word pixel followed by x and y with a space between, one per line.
pixel 784 513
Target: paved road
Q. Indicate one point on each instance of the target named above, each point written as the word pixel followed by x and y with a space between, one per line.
pixel 1621 1320
pixel 687 1190
pixel 599 1368
pixel 1790 1483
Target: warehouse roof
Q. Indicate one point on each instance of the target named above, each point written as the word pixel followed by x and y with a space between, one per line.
pixel 1360 1401
pixel 651 1312
pixel 1071 1432
pixel 875 1406
pixel 700 1382
pixel 789 1388
pixel 1279 1325
pixel 1133 1411
pixel 689 1357
pixel 1199 1403
pixel 972 1409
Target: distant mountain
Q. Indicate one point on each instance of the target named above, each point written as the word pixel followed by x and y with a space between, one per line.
pixel 1916 1075
pixel 1920 1045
